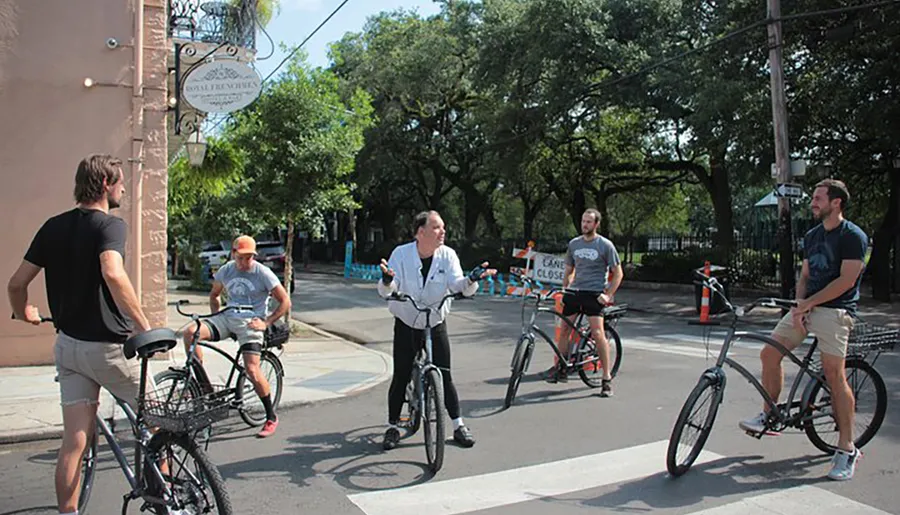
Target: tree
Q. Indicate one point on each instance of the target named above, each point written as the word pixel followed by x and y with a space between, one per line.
pixel 192 190
pixel 300 139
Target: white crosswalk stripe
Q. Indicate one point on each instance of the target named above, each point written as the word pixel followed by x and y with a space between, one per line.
pixel 801 499
pixel 534 482
pixel 521 484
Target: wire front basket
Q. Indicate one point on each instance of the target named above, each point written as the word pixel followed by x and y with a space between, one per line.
pixel 180 413
pixel 866 337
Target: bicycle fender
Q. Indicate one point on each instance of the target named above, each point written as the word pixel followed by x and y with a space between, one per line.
pixel 277 362
pixel 716 375
pixel 806 398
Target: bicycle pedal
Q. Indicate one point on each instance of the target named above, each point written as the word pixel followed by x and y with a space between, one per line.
pixel 759 435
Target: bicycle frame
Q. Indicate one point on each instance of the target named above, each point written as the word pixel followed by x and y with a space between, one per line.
pixel 141 434
pixel 531 328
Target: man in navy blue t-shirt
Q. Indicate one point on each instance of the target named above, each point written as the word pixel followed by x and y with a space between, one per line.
pixel 827 293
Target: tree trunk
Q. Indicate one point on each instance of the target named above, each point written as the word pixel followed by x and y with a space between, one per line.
pixel 351 229
pixel 472 209
pixel 289 262
pixel 885 237
pixel 717 185
pixel 529 215
pixel 601 197
pixel 579 204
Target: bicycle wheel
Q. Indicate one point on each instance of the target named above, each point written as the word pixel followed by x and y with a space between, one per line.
pixel 433 415
pixel 413 419
pixel 871 404
pixel 592 373
pixel 698 413
pixel 173 381
pixel 251 409
pixel 524 348
pixel 194 482
pixel 88 468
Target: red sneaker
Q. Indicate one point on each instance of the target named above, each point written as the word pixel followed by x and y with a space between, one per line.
pixel 268 429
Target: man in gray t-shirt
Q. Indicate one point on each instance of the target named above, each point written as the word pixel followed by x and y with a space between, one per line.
pixel 589 260
pixel 246 283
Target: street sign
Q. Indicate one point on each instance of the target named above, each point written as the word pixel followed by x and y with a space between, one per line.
pixel 549 269
pixel 789 190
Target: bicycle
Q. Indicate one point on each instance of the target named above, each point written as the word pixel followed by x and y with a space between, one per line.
pixel 583 358
pixel 810 413
pixel 425 390
pixel 241 396
pixel 162 489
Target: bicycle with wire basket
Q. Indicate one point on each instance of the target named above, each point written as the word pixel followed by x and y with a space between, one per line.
pixel 425 390
pixel 170 473
pixel 583 357
pixel 811 412
pixel 191 380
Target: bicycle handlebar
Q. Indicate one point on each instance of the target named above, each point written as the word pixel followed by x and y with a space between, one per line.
pixel 763 302
pixel 402 297
pixel 185 302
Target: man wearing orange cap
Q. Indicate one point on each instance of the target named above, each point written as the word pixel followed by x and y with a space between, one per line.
pixel 247 283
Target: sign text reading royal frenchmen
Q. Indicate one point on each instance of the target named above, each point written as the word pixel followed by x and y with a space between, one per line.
pixel 221 86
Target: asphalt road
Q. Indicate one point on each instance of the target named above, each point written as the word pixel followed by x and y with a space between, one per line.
pixel 560 447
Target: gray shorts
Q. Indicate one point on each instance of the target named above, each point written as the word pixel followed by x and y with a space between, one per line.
pixel 223 326
pixel 82 367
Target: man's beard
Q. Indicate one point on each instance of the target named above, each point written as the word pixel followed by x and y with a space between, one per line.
pixel 823 214
pixel 113 204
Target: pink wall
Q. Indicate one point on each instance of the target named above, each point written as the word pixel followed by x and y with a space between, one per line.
pixel 49 121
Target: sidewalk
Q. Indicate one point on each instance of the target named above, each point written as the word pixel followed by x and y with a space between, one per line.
pixel 318 366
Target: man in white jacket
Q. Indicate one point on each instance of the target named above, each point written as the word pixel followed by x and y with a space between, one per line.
pixel 426 270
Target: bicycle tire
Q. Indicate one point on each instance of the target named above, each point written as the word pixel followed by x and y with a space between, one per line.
pixel 433 417
pixel 186 487
pixel 414 414
pixel 812 430
pixel 88 470
pixel 615 346
pixel 253 413
pixel 673 465
pixel 177 376
pixel 517 369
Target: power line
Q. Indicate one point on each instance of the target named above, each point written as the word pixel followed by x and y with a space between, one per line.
pixel 313 33
pixel 839 10
pixel 287 58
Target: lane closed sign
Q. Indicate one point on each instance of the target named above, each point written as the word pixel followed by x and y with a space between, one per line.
pixel 548 268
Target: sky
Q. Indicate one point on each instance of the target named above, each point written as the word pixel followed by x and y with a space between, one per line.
pixel 298 18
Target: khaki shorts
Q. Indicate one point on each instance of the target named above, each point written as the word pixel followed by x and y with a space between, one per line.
pixel 831 327
pixel 223 326
pixel 82 367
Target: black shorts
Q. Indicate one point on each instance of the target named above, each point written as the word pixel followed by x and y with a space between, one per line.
pixel 582 302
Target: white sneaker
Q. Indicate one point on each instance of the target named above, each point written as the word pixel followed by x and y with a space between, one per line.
pixel 756 424
pixel 843 465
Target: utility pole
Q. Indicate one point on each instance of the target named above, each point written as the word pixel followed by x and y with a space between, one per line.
pixel 782 151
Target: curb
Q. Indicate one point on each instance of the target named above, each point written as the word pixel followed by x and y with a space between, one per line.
pixel 55 432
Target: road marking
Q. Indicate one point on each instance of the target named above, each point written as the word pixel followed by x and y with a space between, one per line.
pixel 716 339
pixel 485 491
pixel 801 499
pixel 668 348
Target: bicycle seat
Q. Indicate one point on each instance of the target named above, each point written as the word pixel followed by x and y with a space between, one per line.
pixel 149 343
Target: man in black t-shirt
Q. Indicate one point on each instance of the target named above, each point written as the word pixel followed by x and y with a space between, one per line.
pixel 827 293
pixel 94 309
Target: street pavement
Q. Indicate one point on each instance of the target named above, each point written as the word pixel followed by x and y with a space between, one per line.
pixel 559 448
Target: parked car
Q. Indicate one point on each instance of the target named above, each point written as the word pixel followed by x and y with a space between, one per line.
pixel 272 255
pixel 215 255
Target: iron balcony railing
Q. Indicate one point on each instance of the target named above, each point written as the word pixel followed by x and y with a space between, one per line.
pixel 231 22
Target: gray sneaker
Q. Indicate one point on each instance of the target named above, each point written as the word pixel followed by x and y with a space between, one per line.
pixel 756 424
pixel 843 465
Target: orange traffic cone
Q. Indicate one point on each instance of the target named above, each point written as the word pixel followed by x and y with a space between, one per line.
pixel 704 300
